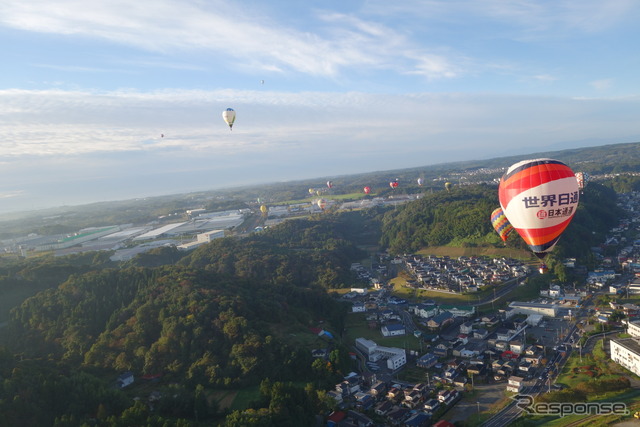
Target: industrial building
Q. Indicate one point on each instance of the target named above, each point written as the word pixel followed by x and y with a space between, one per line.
pixel 547 310
pixel 626 353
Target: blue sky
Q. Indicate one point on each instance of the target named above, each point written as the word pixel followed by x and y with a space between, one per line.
pixel 321 88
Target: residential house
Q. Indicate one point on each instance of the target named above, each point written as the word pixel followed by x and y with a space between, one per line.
pixel 525 367
pixel 427 361
pixel 361 420
pixel 397 416
pixel 460 381
pixel 393 329
pixel 432 405
pixel 440 321
pixel 491 320
pixel 384 407
pixel 413 396
pixel 476 369
pixel 419 419
pixel 125 379
pixel 395 393
pixel 515 384
pixel 480 333
pixel 503 334
pixel 517 347
pixel 335 418
pixel 447 397
pixel 336 395
pixel 364 401
pixel 358 307
pixel 348 387
pixel 421 387
pixel 466 328
pixel 441 350
pixel 425 310
pixel 378 389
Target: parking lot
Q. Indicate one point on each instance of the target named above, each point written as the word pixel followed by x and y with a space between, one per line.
pixel 549 332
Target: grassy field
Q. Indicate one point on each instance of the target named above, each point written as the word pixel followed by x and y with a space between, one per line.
pixel 576 371
pixel 490 251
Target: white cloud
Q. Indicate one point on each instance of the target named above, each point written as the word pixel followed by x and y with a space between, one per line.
pixel 59 123
pixel 545 78
pixel 330 43
pixel 602 84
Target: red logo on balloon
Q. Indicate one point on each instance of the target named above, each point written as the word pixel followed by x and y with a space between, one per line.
pixel 541 214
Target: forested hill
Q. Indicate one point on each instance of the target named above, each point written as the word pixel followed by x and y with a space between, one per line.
pixel 229 315
pixel 442 218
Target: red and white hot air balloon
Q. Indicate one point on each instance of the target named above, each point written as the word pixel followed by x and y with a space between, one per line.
pixel 539 197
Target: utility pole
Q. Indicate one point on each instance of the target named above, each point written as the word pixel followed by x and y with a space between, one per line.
pixel 580 350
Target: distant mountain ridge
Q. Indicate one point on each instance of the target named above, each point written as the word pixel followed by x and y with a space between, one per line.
pixel 605 159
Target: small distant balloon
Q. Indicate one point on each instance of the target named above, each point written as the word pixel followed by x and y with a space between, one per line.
pixel 312 191
pixel 447 186
pixel 264 209
pixel 420 181
pixel 543 268
pixel 261 81
pixel 322 204
pixel 162 135
pixel 367 190
pixel 229 116
pixel 583 179
pixel 330 184
pixel 394 184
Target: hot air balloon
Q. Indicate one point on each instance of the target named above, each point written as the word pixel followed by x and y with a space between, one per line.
pixel 539 197
pixel 322 203
pixel 580 178
pixel 264 209
pixel 229 116
pixel 394 184
pixel 447 186
pixel 366 190
pixel 501 224
pixel 420 181
pixel 583 179
pixel 312 191
pixel 329 184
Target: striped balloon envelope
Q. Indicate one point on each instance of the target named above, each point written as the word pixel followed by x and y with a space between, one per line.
pixel 539 197
pixel 501 224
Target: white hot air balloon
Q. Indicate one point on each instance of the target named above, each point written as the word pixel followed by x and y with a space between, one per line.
pixel 229 116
